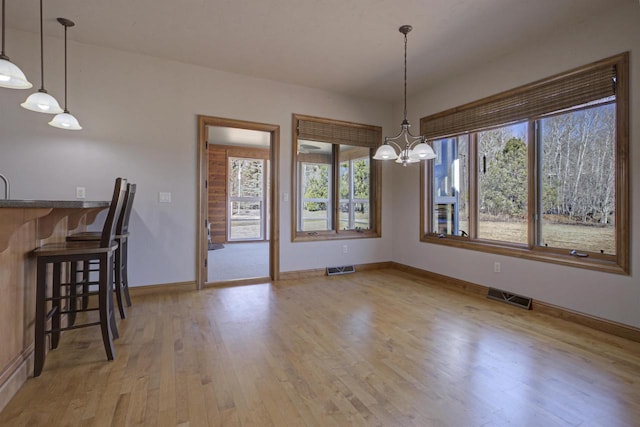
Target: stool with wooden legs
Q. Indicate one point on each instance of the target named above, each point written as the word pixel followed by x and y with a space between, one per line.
pixel 121 280
pixel 69 254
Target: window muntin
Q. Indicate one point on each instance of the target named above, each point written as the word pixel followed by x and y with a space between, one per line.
pixel 592 102
pixel 336 184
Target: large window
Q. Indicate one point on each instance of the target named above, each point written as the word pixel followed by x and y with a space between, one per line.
pixel 336 186
pixel 537 172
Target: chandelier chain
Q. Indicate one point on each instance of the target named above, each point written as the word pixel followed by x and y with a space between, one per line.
pixel 405 76
pixel 65 69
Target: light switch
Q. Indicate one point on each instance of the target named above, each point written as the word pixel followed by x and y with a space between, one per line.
pixel 164 197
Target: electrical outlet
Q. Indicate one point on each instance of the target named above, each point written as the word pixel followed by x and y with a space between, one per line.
pixel 164 197
pixel 345 249
pixel 496 267
pixel 81 192
pixel 285 197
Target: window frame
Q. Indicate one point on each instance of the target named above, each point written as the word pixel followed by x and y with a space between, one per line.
pixel 372 139
pixel 618 263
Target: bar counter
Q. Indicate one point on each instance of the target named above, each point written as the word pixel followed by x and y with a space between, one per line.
pixel 75 204
pixel 25 225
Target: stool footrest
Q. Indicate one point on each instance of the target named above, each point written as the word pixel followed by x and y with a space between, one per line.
pixel 80 310
pixel 65 297
pixel 68 328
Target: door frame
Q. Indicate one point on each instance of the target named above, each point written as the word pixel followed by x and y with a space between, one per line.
pixel 202 249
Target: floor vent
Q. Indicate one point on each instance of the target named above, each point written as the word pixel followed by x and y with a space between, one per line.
pixel 345 269
pixel 509 298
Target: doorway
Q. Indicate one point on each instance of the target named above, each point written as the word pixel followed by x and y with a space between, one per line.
pixel 238 210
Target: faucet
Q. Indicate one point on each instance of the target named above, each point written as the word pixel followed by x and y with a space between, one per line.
pixel 7 187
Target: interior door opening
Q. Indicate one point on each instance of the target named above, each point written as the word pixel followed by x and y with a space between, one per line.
pixel 237 213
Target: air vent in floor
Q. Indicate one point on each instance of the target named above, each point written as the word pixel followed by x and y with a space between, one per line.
pixel 509 298
pixel 345 269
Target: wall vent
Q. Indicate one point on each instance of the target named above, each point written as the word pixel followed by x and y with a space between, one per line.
pixel 345 269
pixel 509 298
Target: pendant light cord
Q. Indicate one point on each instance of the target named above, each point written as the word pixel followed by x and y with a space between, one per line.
pixel 41 52
pixel 2 55
pixel 65 69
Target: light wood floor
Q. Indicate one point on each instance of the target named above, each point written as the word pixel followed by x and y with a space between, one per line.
pixel 372 348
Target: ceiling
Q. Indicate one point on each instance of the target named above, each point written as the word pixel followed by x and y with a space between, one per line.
pixel 345 46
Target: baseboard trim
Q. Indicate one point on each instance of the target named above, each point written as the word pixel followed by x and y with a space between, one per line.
pixel 238 282
pixel 319 272
pixel 162 288
pixel 593 322
pixel 15 375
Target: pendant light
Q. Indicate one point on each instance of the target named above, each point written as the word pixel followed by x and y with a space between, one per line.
pixel 65 120
pixel 11 76
pixel 41 101
pixel 405 148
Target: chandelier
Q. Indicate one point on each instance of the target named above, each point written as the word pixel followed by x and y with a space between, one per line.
pixel 405 148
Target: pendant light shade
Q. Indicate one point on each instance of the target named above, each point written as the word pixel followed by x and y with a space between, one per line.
pixel 41 101
pixel 405 148
pixel 11 76
pixel 65 120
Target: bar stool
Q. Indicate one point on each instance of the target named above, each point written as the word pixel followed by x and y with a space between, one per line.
pixel 74 252
pixel 121 279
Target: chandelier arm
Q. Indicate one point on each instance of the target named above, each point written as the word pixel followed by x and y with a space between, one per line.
pixel 406 135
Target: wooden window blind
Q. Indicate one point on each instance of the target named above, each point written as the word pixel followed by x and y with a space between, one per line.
pixel 336 132
pixel 526 102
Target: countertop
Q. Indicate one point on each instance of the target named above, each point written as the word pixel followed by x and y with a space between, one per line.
pixel 55 204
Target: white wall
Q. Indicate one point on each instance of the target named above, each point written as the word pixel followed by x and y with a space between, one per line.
pixel 139 118
pixel 609 296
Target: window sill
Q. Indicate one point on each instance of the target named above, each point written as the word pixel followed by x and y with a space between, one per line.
pixel 603 263
pixel 315 236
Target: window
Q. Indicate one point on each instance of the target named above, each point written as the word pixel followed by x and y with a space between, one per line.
pixel 247 213
pixel 336 185
pixel 539 172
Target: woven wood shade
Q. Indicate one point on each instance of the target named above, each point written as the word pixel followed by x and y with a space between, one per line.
pixel 340 133
pixel 527 102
